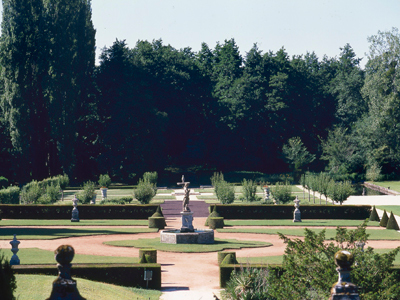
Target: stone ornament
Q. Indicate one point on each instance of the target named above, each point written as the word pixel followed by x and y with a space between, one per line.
pixel 296 213
pixel 75 212
pixel 14 249
pixel 64 287
pixel 344 289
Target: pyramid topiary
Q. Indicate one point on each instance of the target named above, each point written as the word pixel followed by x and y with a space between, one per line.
pixel 384 219
pixel 392 223
pixel 214 213
pixel 156 219
pixel 229 260
pixel 374 215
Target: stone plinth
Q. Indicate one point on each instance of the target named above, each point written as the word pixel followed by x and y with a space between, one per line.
pixel 204 236
pixel 187 221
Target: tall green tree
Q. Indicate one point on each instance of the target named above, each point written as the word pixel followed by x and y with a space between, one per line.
pixel 297 155
pixel 23 49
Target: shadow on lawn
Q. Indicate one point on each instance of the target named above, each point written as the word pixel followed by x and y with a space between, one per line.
pixel 61 232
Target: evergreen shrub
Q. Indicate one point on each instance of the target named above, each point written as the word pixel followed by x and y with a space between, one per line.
pixel 374 215
pixel 157 222
pixel 104 180
pixel 216 222
pixel 282 192
pixel 249 190
pixel 384 220
pixel 392 223
pixel 225 192
pixel 87 192
pixel 150 255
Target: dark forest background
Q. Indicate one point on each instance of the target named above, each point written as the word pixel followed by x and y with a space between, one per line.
pixel 154 107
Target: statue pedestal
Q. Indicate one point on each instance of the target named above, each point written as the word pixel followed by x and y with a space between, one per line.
pixel 187 221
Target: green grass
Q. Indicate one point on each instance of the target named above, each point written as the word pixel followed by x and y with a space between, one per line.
pixel 219 245
pixel 38 287
pixel 343 223
pixel 32 256
pixel 330 233
pixel 56 233
pixel 394 185
pixel 69 223
pixel 394 208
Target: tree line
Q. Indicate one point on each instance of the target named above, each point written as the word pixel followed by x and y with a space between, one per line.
pixel 153 106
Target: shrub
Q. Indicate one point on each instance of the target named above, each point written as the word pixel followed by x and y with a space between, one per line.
pixel 249 190
pixel 374 215
pixel 151 177
pixel 216 178
pixel 8 283
pixel 282 192
pixel 384 220
pixel 121 201
pixel 145 191
pixel 248 283
pixel 392 223
pixel 10 195
pixel 87 192
pixel 225 192
pixel 31 192
pixel 3 182
pixel 104 180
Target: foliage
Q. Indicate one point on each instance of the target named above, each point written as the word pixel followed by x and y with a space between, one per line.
pixel 373 172
pixel 311 263
pixel 340 191
pixel 297 154
pixel 248 284
pixel 8 283
pixel 151 177
pixel 10 195
pixel 282 192
pixel 374 215
pixel 225 192
pixel 392 223
pixel 3 182
pixel 249 188
pixel 145 191
pixel 31 192
pixel 104 180
pixel 51 195
pixel 88 191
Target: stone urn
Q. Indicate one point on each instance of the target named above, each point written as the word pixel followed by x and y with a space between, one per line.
pixel 103 191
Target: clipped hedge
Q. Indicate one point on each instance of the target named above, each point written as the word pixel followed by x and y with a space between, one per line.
pixel 131 275
pixel 222 255
pixel 269 212
pixel 86 212
pixel 157 222
pixel 216 222
pixel 149 254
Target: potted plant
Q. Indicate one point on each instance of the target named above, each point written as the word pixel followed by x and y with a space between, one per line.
pixel 104 182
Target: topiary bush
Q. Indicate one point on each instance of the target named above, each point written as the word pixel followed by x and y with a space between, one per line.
pixel 216 222
pixel 374 215
pixel 149 254
pixel 214 213
pixel 222 255
pixel 392 223
pixel 145 191
pixel 157 222
pixel 384 220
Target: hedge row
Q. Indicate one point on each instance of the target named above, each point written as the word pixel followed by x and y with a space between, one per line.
pixel 261 212
pixel 86 212
pixel 131 275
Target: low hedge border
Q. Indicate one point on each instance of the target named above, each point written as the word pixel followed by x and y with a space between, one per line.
pixel 131 275
pixel 86 212
pixel 262 212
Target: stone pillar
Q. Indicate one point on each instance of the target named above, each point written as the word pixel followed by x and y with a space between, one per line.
pixel 14 249
pixel 296 213
pixel 187 221
pixel 344 289
pixel 75 212
pixel 64 287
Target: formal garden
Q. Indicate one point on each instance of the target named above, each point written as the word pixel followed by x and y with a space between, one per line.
pixel 257 251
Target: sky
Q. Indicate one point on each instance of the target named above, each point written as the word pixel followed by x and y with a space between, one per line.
pixel 300 26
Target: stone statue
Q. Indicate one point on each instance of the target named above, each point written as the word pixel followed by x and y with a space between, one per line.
pixel 185 203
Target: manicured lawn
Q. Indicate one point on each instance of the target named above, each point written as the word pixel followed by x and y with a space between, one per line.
pixel 394 208
pixel 32 256
pixel 375 234
pixel 56 233
pixel 219 245
pixel 393 185
pixel 69 223
pixel 343 223
pixel 38 287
